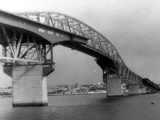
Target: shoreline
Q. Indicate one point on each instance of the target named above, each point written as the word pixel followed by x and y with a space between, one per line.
pixel 74 94
pixel 5 96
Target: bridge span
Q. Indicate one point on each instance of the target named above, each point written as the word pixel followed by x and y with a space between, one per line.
pixel 27 40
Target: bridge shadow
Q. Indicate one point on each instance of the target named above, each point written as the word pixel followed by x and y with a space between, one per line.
pixel 120 98
pixel 109 99
pixel 27 70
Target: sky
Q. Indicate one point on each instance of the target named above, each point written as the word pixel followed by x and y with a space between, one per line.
pixel 132 26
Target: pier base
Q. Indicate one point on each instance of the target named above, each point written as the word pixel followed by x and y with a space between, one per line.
pixel 29 86
pixel 114 87
pixel 134 89
pixel 142 90
pixel 148 91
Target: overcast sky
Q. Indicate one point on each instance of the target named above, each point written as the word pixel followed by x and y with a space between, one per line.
pixel 132 26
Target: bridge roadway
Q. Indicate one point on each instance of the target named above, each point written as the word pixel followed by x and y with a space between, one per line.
pixel 27 40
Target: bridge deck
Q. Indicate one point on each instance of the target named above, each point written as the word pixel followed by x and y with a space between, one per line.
pixel 53 35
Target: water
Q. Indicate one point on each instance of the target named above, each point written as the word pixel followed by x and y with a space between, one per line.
pixel 86 107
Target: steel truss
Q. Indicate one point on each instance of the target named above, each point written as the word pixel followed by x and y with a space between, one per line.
pixel 95 39
pixel 21 47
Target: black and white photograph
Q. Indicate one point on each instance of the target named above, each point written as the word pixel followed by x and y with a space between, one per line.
pixel 80 60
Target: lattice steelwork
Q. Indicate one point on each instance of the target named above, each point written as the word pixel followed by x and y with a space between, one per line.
pixel 95 39
pixel 22 47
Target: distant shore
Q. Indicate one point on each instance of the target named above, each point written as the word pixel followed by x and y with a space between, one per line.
pixel 4 96
pixel 74 94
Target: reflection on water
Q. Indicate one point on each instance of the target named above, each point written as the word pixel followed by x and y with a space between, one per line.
pixel 86 107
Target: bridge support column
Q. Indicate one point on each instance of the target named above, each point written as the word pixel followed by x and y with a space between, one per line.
pixel 142 90
pixel 29 86
pixel 148 90
pixel 114 87
pixel 134 89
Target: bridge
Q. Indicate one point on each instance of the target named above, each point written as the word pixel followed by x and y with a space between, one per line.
pixel 27 40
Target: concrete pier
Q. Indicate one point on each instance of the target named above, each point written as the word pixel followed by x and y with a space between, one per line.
pixel 148 91
pixel 134 89
pixel 114 87
pixel 29 86
pixel 142 90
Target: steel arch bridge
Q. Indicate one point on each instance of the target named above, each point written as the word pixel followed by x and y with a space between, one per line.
pixel 29 37
pixel 95 42
pixel 27 41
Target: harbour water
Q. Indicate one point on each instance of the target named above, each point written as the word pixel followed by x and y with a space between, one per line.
pixel 86 107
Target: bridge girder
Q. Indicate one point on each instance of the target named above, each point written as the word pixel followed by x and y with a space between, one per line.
pixel 24 47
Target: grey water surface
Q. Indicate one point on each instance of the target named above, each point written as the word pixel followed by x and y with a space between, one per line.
pixel 87 107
